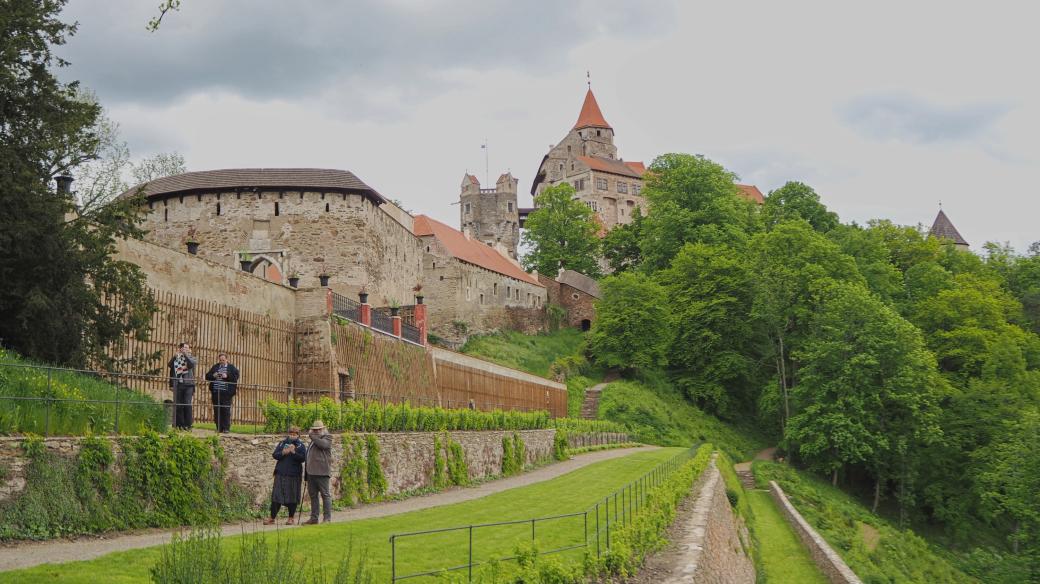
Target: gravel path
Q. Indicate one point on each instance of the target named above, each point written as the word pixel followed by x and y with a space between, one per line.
pixel 28 554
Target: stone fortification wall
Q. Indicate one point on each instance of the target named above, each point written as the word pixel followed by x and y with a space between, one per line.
pixel 828 560
pixel 172 270
pixel 711 540
pixel 406 458
pixel 482 300
pixel 356 241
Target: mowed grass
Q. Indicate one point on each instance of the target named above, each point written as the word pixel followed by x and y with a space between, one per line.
pixel 783 557
pixel 325 544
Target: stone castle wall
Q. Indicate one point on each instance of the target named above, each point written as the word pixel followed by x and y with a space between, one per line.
pixel 458 291
pixel 406 458
pixel 580 306
pixel 348 236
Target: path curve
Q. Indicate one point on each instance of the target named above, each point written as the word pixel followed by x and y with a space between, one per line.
pixel 22 555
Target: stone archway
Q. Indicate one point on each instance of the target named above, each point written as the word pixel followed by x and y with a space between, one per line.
pixel 586 325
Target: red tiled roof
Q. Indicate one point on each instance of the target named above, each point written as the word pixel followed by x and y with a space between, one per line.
pixel 590 115
pixel 470 250
pixel 752 193
pixel 610 165
pixel 637 166
pixel 943 229
pixel 262 178
pixel 472 179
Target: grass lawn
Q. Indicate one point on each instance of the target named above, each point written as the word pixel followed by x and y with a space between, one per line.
pixel 531 353
pixel 783 557
pixel 325 544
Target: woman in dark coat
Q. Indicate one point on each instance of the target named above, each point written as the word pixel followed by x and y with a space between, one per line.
pixel 223 382
pixel 288 475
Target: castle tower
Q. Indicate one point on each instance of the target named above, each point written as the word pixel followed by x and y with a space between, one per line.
pixel 491 215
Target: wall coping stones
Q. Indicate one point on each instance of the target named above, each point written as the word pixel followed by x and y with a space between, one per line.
pixel 828 560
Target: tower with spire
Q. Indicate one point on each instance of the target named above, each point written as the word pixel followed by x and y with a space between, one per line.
pixel 943 229
pixel 588 159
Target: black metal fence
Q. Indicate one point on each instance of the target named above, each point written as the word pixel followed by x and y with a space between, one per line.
pixel 598 525
pixel 410 333
pixel 382 321
pixel 345 307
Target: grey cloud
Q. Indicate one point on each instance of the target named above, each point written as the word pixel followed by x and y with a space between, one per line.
pixel 907 118
pixel 270 49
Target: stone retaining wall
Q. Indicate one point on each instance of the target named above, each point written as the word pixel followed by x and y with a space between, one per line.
pixel 711 539
pixel 406 458
pixel 829 562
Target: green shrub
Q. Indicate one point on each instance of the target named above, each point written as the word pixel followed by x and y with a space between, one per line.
pixel 583 426
pixel 358 416
pixel 508 460
pixel 458 471
pixel 200 558
pixel 519 453
pixel 160 481
pixel 560 444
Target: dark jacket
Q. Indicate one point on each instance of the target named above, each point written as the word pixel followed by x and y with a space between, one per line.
pixel 319 456
pixel 230 384
pixel 290 465
pixel 186 377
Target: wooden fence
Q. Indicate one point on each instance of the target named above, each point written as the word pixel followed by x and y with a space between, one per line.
pixel 262 347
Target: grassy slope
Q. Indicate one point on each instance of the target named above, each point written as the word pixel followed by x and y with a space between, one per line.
pixel 67 416
pixel 900 555
pixel 531 353
pixel 325 544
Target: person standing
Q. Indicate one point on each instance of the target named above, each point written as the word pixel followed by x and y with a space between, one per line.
pixel 288 475
pixel 182 382
pixel 223 378
pixel 319 471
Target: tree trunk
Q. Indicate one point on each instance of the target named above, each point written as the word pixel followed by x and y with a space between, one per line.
pixel 877 494
pixel 783 382
pixel 834 477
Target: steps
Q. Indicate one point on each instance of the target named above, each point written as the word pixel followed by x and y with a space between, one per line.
pixel 747 478
pixel 590 407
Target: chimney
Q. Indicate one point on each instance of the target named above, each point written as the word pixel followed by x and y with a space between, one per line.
pixel 64 183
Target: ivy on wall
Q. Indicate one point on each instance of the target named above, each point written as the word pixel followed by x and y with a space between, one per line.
pixel 361 474
pixel 160 481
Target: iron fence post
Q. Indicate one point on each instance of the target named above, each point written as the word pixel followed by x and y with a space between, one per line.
pixel 607 509
pixel 47 414
pixel 393 558
pixel 117 414
pixel 532 532
pixel 597 530
pixel 586 530
pixel 470 553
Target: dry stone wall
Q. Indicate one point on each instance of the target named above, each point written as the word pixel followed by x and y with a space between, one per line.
pixel 828 560
pixel 406 458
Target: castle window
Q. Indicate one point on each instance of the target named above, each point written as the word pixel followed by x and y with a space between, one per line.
pixel 166 215
pixel 428 251
pixel 218 208
pixel 467 208
pixel 277 210
pixel 572 166
pixel 326 207
pixel 622 187
pixel 496 288
pixel 482 299
pixel 598 133
pixel 323 196
pixel 510 205
pixel 442 278
pixel 568 149
pixel 601 184
pixel 198 198
pixel 636 188
pixel 518 294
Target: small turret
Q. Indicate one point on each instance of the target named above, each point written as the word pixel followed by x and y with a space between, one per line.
pixel 943 228
pixel 491 215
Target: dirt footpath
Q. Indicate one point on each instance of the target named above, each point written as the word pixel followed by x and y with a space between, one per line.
pixel 28 554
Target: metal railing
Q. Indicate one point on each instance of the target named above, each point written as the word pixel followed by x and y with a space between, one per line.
pixel 145 401
pixel 382 321
pixel 345 307
pixel 598 524
pixel 410 333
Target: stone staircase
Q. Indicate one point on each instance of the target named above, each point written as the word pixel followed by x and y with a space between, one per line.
pixel 590 407
pixel 747 479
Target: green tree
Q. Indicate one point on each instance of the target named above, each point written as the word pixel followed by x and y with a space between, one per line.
pixel 712 355
pixel 1009 481
pixel 632 329
pixel 692 200
pixel 621 244
pixel 791 264
pixel 797 200
pixel 867 388
pixel 56 266
pixel 562 233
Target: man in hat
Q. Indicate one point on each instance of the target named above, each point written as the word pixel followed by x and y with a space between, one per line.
pixel 319 471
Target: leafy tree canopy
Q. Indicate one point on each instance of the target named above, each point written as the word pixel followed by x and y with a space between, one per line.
pixel 562 234
pixel 632 329
pixel 797 200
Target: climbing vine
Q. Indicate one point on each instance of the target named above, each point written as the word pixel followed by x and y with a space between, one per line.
pixel 159 481
pixel 514 455
pixel 440 478
pixel 458 471
pixel 353 472
pixel 376 479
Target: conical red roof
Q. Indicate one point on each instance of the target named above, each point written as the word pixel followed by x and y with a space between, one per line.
pixel 590 115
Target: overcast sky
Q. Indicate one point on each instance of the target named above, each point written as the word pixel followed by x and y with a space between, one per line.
pixel 886 109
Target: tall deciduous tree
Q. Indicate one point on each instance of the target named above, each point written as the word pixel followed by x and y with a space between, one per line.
pixel 797 200
pixel 56 264
pixel 632 329
pixel 621 245
pixel 562 234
